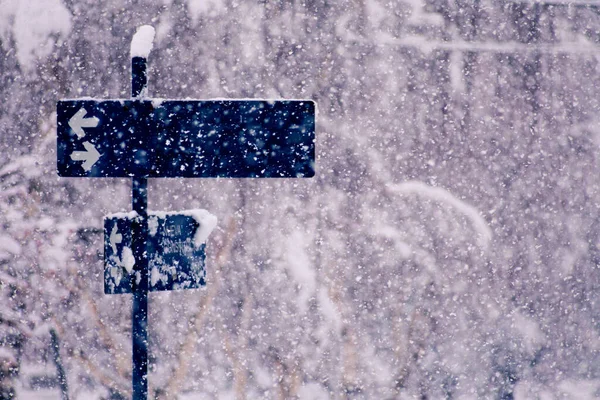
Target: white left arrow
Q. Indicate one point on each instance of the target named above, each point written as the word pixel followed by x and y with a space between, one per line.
pixel 89 156
pixel 78 122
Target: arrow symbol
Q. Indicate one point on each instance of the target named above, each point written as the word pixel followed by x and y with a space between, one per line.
pixel 90 156
pixel 115 237
pixel 77 122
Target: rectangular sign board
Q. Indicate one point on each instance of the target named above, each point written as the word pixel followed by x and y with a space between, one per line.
pixel 175 258
pixel 186 138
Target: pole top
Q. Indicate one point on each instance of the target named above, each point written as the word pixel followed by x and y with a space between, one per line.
pixel 142 41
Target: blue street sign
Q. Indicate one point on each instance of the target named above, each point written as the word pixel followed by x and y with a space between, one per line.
pixel 172 138
pixel 176 257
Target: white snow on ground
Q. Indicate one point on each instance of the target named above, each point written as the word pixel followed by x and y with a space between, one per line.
pixel 142 41
pixel 32 23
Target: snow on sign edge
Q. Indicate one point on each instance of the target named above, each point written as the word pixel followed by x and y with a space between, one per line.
pixel 206 221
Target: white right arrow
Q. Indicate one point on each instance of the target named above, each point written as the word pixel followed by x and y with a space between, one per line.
pixel 90 156
pixel 77 122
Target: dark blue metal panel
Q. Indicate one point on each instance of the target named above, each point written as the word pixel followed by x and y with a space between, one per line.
pixel 234 139
pixel 174 260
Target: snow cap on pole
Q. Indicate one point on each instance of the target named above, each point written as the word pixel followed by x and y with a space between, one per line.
pixel 142 41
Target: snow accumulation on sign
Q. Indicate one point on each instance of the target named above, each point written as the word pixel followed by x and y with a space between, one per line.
pixel 143 41
pixel 186 138
pixel 175 248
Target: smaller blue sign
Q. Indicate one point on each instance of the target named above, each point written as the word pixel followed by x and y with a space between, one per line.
pixel 176 259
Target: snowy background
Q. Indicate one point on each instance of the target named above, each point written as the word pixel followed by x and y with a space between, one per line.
pixel 448 247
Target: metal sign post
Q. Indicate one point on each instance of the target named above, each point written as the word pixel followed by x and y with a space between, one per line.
pixel 139 203
pixel 142 138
